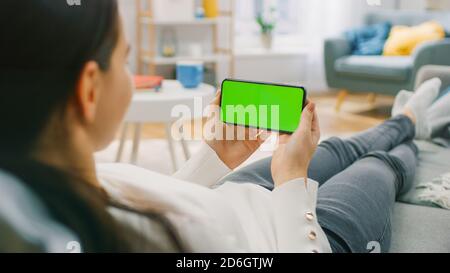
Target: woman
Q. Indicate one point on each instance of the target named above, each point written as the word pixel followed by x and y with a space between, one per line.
pixel 64 89
pixel 48 128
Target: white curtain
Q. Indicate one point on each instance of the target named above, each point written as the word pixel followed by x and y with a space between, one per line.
pixel 326 18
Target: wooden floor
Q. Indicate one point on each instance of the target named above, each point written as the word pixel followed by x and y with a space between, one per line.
pixel 357 114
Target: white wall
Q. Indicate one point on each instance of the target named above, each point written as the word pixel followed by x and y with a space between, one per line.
pixel 439 4
pixel 421 4
pixel 128 12
pixel 287 69
pixel 413 4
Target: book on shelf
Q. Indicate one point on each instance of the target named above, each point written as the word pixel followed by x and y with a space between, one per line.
pixel 148 82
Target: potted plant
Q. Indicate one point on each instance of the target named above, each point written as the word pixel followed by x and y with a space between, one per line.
pixel 267 22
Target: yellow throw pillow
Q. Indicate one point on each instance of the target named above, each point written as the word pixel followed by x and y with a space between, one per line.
pixel 403 40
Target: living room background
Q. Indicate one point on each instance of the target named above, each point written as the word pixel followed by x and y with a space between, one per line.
pixel 297 48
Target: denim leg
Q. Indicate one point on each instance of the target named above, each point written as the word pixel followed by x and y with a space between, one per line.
pixel 354 207
pixel 334 155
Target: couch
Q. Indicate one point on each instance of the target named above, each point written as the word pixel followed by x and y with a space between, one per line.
pixel 420 228
pixel 380 74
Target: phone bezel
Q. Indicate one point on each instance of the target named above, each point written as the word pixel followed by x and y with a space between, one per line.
pixel 263 83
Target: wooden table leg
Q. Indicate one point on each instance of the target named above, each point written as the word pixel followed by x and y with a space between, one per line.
pixel 343 94
pixel 187 153
pixel 123 138
pixel 136 142
pixel 171 146
pixel 372 98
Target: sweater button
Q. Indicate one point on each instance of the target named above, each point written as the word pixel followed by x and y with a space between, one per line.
pixel 312 236
pixel 309 216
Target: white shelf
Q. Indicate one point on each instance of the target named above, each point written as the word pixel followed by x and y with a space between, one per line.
pixel 194 22
pixel 259 52
pixel 147 30
pixel 211 58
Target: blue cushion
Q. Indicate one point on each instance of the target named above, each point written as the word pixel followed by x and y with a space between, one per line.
pixel 369 40
pixel 375 67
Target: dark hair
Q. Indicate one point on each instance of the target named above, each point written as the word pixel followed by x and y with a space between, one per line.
pixel 45 44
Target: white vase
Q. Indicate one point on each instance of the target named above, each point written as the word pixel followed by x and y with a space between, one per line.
pixel 267 40
pixel 173 10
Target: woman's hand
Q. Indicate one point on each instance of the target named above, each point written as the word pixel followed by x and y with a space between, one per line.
pixel 291 159
pixel 237 150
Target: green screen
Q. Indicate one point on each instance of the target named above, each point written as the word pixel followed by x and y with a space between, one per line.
pixel 265 106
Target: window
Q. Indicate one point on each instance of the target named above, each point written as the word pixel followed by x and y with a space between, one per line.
pixel 286 12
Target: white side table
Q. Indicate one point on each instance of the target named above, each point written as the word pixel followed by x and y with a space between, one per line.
pixel 156 107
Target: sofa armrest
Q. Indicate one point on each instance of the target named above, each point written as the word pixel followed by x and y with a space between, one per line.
pixel 436 52
pixel 428 72
pixel 334 49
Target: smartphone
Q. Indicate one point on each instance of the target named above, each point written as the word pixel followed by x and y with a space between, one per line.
pixel 272 107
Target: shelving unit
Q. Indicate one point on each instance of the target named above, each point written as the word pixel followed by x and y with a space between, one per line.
pixel 148 58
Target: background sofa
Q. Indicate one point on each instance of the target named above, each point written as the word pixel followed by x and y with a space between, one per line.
pixel 380 74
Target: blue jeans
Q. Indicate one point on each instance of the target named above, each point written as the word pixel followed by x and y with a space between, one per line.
pixel 359 179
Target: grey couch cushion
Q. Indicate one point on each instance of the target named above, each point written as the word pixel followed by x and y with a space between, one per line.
pixel 375 67
pixel 421 228
pixel 417 229
pixel 434 161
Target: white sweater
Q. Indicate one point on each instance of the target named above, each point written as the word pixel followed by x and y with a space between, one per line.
pixel 234 217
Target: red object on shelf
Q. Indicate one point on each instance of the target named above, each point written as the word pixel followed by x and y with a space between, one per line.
pixel 148 82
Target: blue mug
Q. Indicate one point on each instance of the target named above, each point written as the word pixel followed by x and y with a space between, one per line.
pixel 190 73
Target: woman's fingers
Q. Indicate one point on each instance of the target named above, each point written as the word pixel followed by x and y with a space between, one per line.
pixel 219 93
pixel 284 138
pixel 250 134
pixel 316 126
pixel 307 119
pixel 216 100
